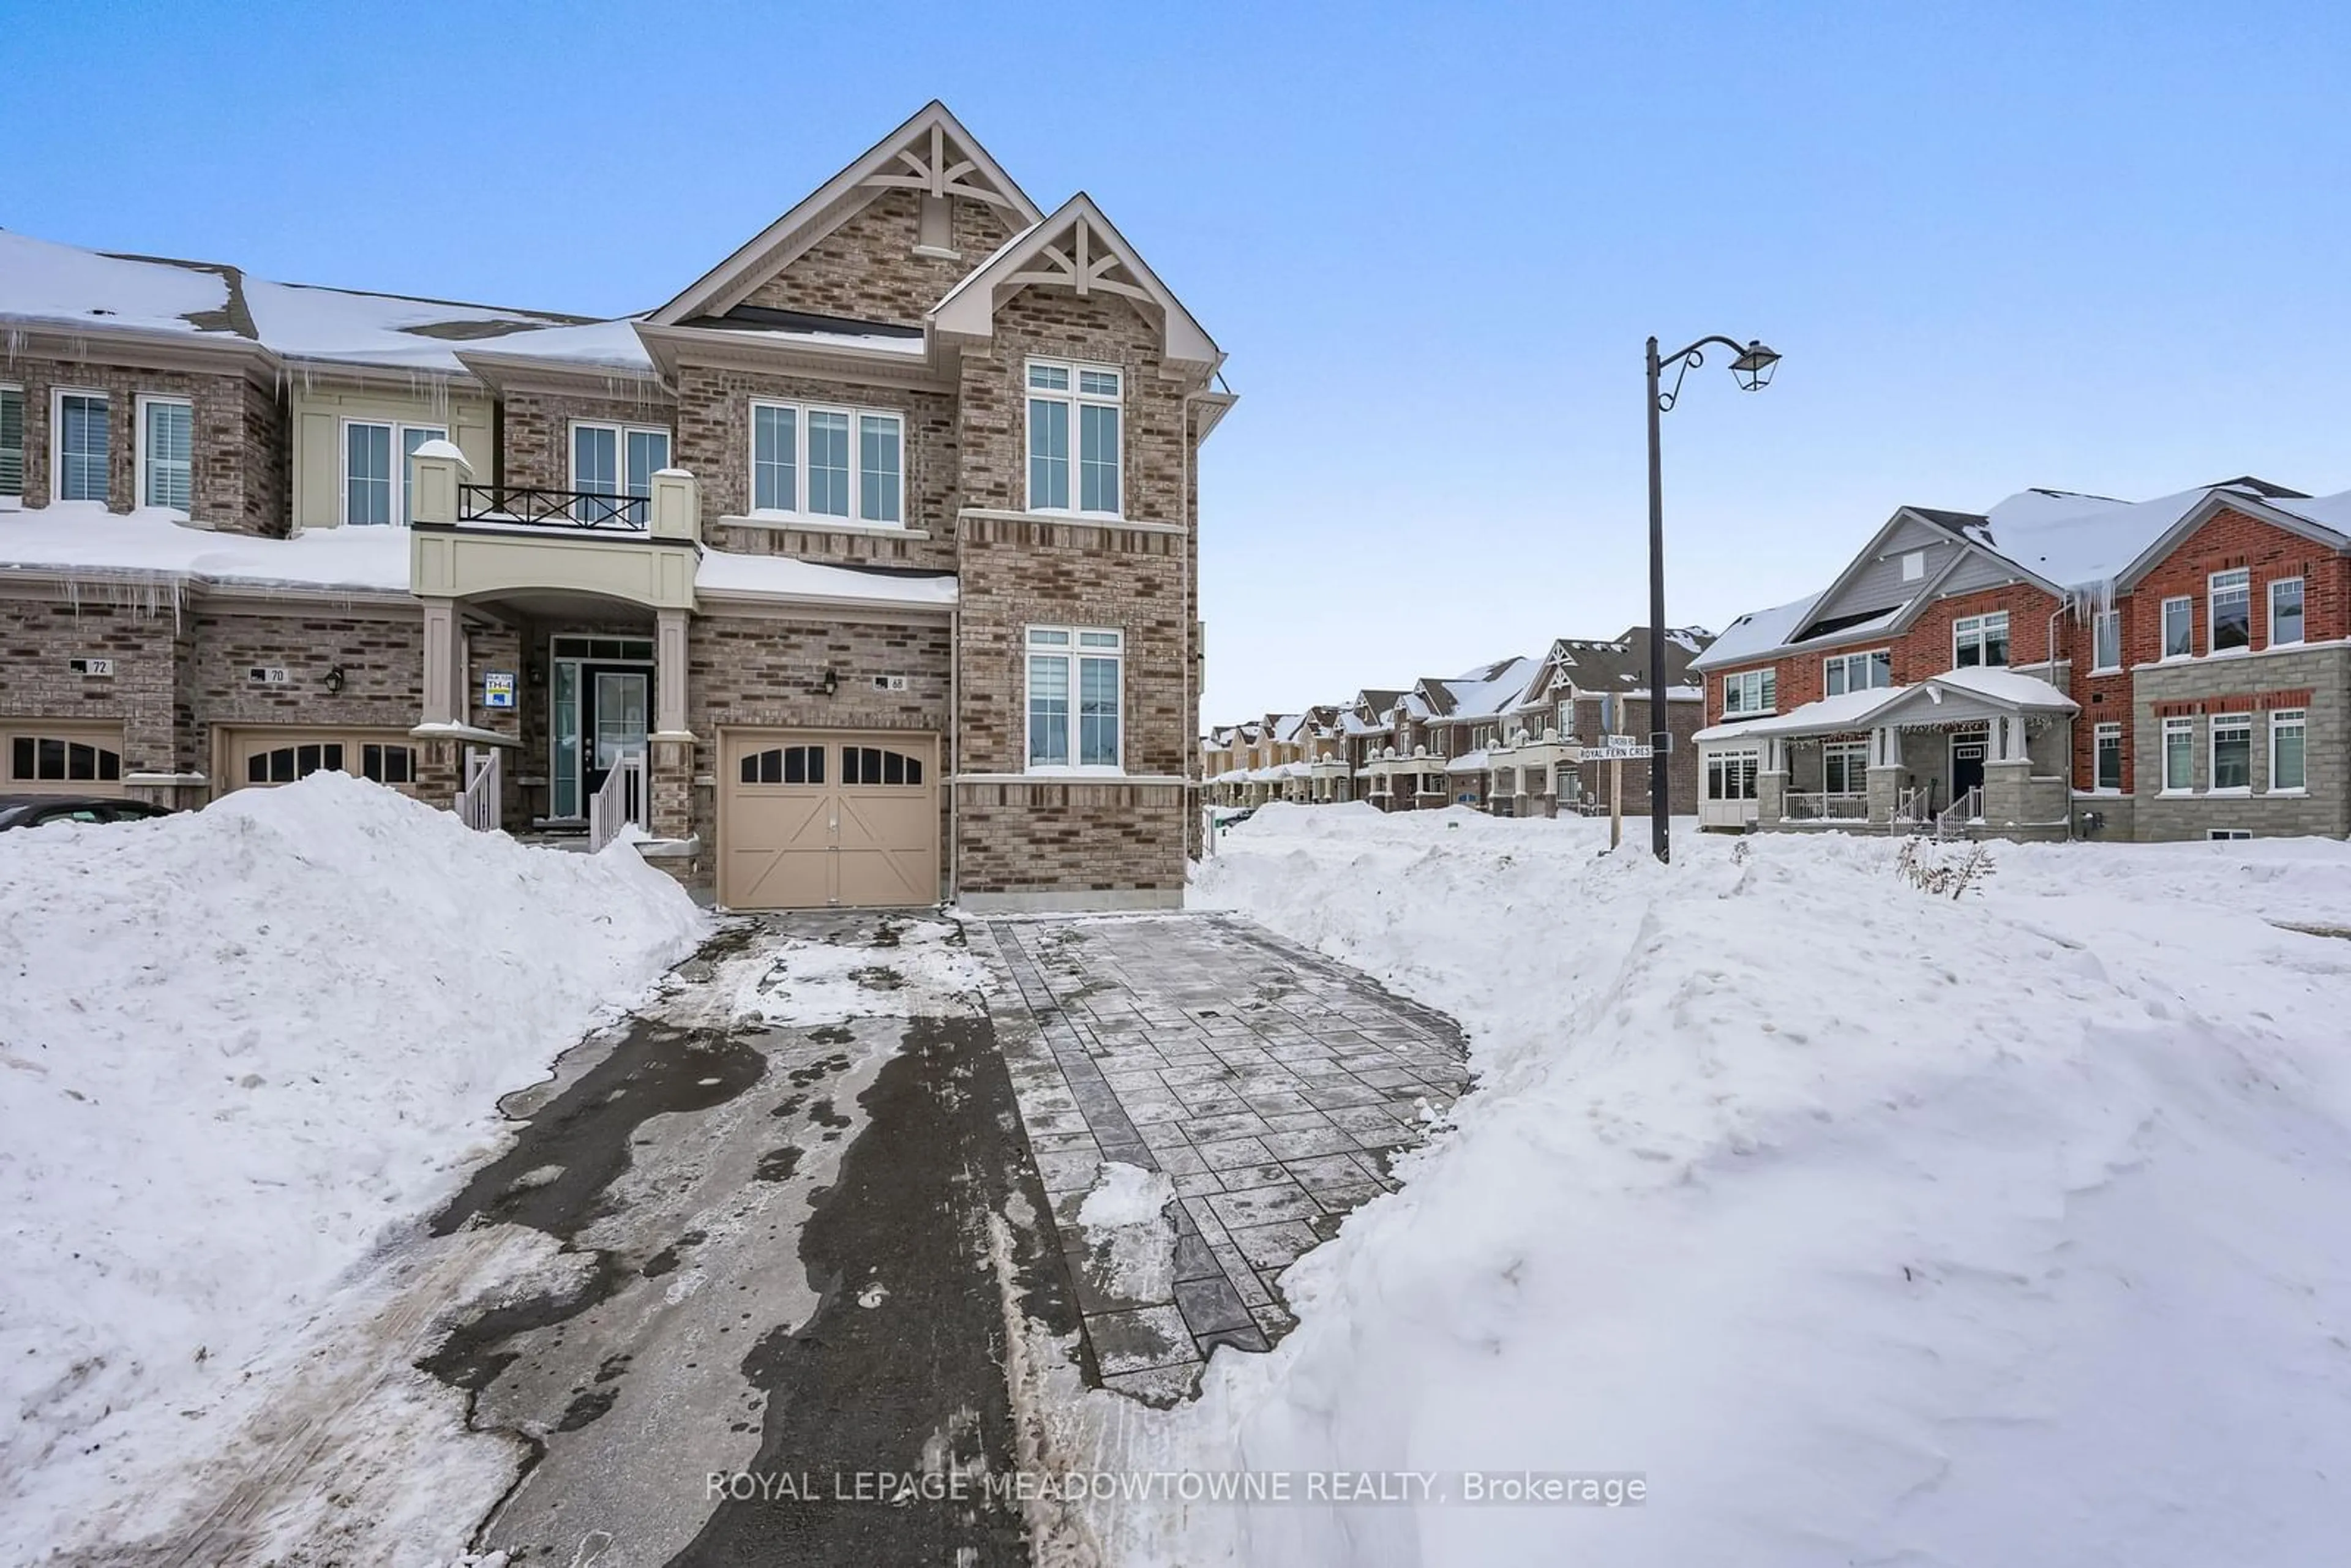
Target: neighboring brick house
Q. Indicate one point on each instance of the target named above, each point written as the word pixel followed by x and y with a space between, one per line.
pixel 863 572
pixel 1506 737
pixel 2062 665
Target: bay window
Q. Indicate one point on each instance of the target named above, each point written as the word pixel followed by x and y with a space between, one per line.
pixel 816 462
pixel 1842 672
pixel 2232 610
pixel 1730 775
pixel 1076 690
pixel 82 446
pixel 1062 395
pixel 1980 640
pixel 2285 612
pixel 2288 768
pixel 166 452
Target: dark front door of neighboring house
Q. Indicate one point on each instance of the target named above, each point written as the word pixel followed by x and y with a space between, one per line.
pixel 1967 767
pixel 614 705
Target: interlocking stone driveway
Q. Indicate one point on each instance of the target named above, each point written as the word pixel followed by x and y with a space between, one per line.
pixel 1271 1085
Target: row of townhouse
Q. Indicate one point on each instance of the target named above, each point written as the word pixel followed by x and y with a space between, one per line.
pixel 2062 665
pixel 1508 738
pixel 863 572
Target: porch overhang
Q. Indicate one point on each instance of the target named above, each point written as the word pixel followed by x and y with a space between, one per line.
pixel 1950 700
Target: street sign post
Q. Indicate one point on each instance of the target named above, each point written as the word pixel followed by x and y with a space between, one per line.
pixel 1617 750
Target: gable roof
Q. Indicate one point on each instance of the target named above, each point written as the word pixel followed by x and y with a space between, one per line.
pixel 1078 248
pixel 931 152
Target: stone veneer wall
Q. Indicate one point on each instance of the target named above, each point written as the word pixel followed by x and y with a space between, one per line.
pixel 2317 680
pixel 40 634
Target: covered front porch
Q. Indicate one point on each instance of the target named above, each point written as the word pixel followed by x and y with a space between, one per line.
pixel 1531 778
pixel 1975 753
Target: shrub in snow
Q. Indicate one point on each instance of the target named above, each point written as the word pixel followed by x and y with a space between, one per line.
pixel 235 1047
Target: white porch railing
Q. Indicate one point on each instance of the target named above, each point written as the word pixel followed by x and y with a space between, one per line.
pixel 477 803
pixel 1968 808
pixel 1910 805
pixel 1823 807
pixel 618 802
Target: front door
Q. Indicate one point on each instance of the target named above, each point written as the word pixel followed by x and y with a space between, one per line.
pixel 613 708
pixel 1967 767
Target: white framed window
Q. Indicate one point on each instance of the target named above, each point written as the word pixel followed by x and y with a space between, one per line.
pixel 380 468
pixel 2106 758
pixel 2232 752
pixel 2178 756
pixel 1980 640
pixel 2228 834
pixel 1071 401
pixel 2289 764
pixel 1751 692
pixel 1842 672
pixel 2232 610
pixel 617 460
pixel 2179 627
pixel 11 441
pixel 812 461
pixel 1730 775
pixel 1567 717
pixel 166 452
pixel 80 441
pixel 2285 612
pixel 1845 766
pixel 1076 699
pixel 2105 642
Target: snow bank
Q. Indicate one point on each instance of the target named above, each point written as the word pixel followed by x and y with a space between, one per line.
pixel 1869 1227
pixel 235 1047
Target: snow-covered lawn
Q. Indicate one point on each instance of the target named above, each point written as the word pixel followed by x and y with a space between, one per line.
pixel 238 1048
pixel 1868 1225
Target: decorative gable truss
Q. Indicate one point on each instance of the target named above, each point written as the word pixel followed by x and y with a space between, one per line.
pixel 1079 249
pixel 938 165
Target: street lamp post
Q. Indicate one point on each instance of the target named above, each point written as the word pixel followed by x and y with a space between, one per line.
pixel 1753 368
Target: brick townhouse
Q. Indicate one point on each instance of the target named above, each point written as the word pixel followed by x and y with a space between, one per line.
pixel 2062 665
pixel 1509 737
pixel 863 572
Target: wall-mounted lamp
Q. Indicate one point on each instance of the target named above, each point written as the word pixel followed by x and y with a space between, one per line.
pixel 335 679
pixel 830 684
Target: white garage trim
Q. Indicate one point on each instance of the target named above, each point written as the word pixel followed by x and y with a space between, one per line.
pixel 828 818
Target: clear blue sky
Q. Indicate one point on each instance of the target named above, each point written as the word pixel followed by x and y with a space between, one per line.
pixel 2100 247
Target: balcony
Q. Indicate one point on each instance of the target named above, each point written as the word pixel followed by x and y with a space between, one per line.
pixel 518 505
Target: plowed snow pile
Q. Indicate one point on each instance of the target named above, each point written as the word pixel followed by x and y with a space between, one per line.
pixel 1868 1225
pixel 235 1047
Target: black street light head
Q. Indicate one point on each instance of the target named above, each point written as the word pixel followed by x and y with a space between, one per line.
pixel 1753 368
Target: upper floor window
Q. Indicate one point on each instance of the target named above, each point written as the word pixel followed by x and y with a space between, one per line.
pixel 82 446
pixel 1060 394
pixel 2179 627
pixel 11 441
pixel 1842 672
pixel 1075 691
pixel 618 460
pixel 1980 640
pixel 843 463
pixel 2107 640
pixel 167 436
pixel 2285 612
pixel 2232 610
pixel 376 483
pixel 1751 692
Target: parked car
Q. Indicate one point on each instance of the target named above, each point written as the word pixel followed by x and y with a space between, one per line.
pixel 32 811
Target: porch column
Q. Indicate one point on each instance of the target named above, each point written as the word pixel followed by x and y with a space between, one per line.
pixel 1884 774
pixel 670 766
pixel 445 662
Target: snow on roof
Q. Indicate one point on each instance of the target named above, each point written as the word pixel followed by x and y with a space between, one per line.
pixel 1757 632
pixel 2077 540
pixel 303 323
pixel 612 344
pixel 1467 762
pixel 2331 512
pixel 2005 687
pixel 1847 709
pixel 81 538
pixel 43 281
pixel 725 571
pixel 1856 710
pixel 1493 688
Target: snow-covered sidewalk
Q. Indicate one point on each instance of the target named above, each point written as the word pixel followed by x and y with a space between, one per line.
pixel 237 1048
pixel 1865 1225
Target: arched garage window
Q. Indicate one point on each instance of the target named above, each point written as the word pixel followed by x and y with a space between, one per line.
pixel 785 765
pixel 872 765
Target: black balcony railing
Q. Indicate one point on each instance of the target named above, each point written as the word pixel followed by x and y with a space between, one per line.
pixel 552 508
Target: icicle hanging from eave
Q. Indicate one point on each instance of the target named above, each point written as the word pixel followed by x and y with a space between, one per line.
pixel 146 594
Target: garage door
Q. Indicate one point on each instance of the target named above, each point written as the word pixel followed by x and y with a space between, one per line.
pixel 813 819
pixel 43 757
pixel 280 754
